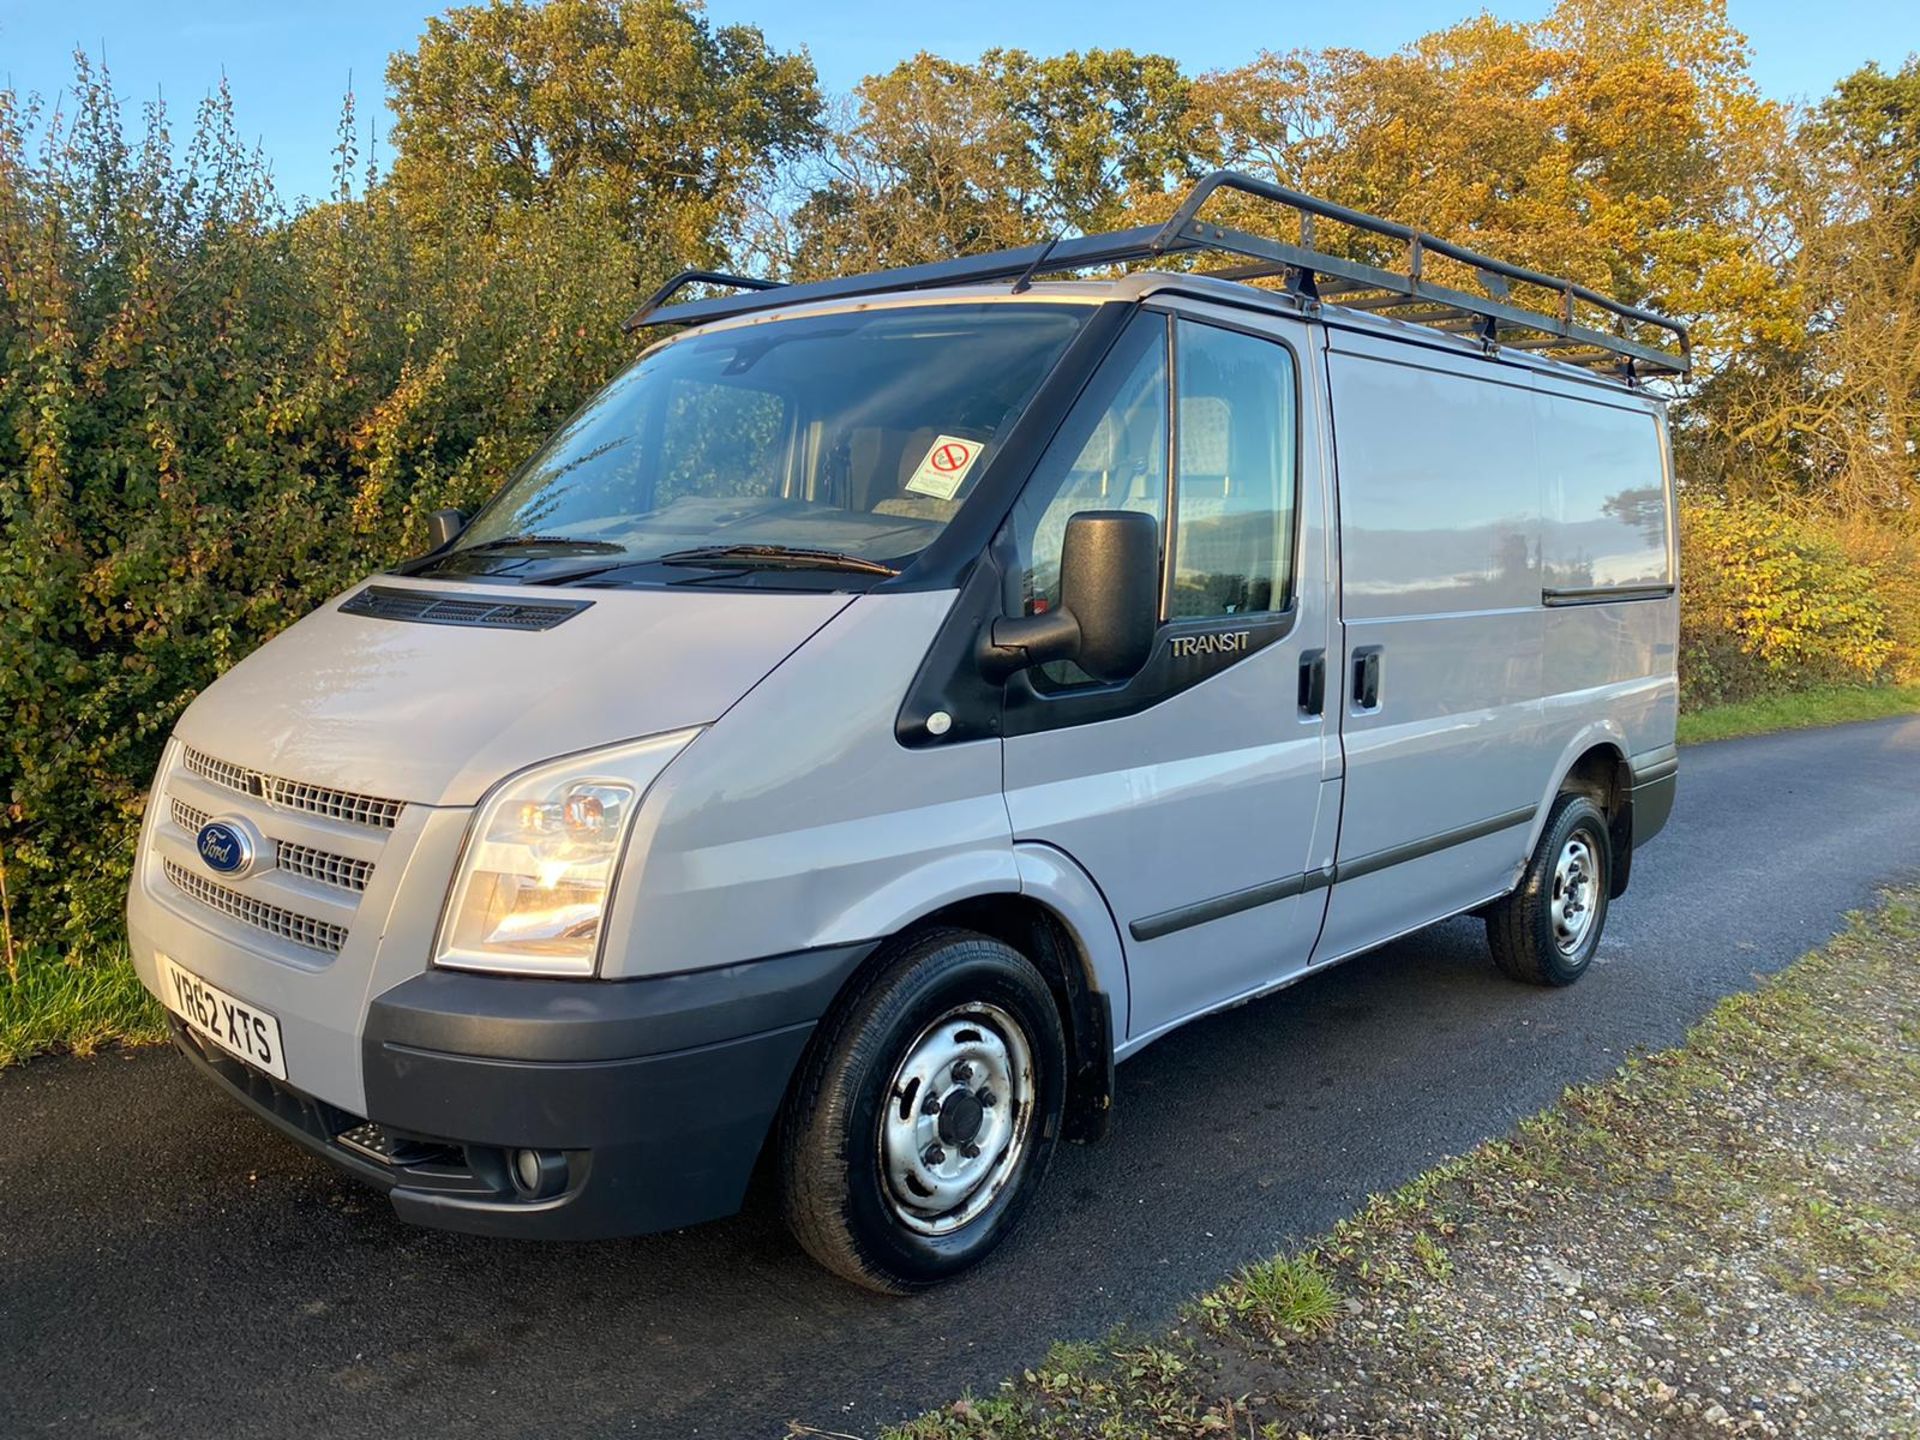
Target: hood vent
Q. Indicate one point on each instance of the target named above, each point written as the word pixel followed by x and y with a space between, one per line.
pixel 435 607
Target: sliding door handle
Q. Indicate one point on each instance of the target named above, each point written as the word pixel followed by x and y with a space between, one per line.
pixel 1366 678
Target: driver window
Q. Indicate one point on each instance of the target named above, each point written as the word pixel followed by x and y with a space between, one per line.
pixel 1233 541
pixel 1110 455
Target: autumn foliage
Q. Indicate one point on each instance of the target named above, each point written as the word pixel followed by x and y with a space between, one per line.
pixel 218 407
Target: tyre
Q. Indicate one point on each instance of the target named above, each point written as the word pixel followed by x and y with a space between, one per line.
pixel 1546 931
pixel 925 1113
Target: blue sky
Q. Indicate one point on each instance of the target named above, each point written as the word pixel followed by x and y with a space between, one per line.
pixel 289 61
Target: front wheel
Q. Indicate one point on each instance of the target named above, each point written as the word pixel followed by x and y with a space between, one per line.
pixel 925 1114
pixel 1547 930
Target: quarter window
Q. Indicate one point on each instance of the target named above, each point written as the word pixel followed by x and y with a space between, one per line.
pixel 1233 535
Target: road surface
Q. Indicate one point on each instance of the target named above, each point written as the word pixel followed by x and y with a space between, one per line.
pixel 169 1266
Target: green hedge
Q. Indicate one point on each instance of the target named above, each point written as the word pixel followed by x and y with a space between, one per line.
pixel 213 414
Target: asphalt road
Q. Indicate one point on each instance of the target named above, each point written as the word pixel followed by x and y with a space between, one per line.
pixel 170 1267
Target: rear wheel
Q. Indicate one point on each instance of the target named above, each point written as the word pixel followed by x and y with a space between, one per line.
pixel 1547 930
pixel 925 1114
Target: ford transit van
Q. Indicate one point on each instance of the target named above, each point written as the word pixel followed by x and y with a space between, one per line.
pixel 893 701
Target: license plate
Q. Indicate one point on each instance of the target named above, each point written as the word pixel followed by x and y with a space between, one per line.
pixel 240 1029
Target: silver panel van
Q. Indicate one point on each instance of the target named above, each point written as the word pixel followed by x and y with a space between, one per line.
pixel 895 700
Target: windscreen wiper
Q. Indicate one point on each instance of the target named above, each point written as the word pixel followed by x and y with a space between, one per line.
pixel 543 542
pixel 782 557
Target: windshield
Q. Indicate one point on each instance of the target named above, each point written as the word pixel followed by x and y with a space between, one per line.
pixel 841 442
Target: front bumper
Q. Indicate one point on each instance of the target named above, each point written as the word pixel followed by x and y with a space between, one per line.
pixel 658 1093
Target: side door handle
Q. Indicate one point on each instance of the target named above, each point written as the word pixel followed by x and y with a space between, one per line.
pixel 1313 682
pixel 1366 678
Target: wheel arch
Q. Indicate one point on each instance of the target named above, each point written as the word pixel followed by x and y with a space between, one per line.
pixel 1055 916
pixel 1594 763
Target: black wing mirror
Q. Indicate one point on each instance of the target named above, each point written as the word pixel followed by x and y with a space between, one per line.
pixel 1109 608
pixel 444 527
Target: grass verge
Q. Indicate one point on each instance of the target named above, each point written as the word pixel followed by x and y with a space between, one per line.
pixel 1722 1239
pixel 1798 710
pixel 52 1005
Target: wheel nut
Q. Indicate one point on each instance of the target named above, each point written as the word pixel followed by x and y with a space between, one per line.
pixel 962 1072
pixel 930 1105
pixel 935 1155
pixel 986 1099
pixel 969 1152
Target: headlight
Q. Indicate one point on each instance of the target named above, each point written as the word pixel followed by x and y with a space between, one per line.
pixel 530 895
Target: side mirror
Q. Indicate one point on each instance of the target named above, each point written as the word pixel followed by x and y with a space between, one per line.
pixel 1109 608
pixel 444 526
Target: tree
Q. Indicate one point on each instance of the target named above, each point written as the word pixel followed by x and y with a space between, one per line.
pixel 1871 124
pixel 1834 416
pixel 641 106
pixel 1617 144
pixel 939 158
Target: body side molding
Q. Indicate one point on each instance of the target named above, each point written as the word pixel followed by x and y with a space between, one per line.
pixel 1218 907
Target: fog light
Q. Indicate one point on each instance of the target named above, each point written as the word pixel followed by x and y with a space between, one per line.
pixel 538 1174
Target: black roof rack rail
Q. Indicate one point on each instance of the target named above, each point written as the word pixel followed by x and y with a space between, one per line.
pixel 692 277
pixel 1311 273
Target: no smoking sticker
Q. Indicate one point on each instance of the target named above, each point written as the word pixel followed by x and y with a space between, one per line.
pixel 948 460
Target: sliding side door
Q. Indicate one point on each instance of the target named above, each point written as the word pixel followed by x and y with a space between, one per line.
pixel 1440 689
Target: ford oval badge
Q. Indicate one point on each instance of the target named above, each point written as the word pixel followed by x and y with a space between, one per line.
pixel 225 847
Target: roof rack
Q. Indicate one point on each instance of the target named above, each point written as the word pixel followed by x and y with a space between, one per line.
pixel 1313 274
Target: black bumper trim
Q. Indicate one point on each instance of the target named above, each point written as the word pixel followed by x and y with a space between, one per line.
pixel 660 1090
pixel 511 1017
pixel 1656 777
pixel 314 1125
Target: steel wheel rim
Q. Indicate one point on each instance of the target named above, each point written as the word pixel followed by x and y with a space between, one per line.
pixel 965 1084
pixel 1575 901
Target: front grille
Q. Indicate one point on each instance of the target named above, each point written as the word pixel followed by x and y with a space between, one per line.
pixel 294 794
pixel 303 860
pixel 434 607
pixel 322 865
pixel 300 929
pixel 188 818
pixel 220 772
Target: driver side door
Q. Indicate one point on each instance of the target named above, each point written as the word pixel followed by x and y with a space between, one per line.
pixel 1202 794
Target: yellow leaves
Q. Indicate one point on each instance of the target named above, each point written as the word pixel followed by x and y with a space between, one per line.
pixel 1599 143
pixel 1770 599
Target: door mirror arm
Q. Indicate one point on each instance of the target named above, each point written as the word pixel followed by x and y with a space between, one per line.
pixel 1012 645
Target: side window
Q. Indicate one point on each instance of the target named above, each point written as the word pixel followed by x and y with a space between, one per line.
pixel 1439 490
pixel 1604 495
pixel 1110 455
pixel 1234 482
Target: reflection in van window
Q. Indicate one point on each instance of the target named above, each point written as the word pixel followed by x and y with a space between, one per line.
pixel 720 440
pixel 1439 494
pixel 857 432
pixel 1233 523
pixel 1606 500
pixel 1111 454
